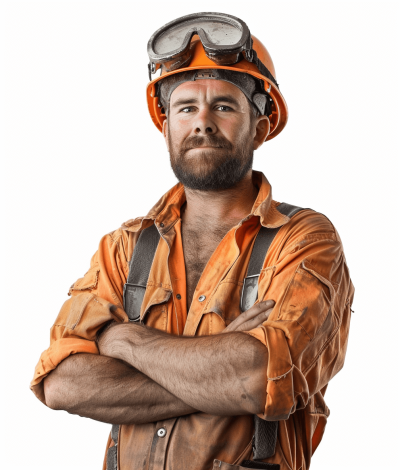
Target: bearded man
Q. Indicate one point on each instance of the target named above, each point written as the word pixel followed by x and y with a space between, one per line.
pixel 207 331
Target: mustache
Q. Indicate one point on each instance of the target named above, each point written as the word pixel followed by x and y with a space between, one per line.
pixel 195 141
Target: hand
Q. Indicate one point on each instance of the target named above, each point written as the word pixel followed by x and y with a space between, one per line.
pixel 107 338
pixel 251 318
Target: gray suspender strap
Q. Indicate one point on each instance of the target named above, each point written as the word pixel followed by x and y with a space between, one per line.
pixel 139 270
pixel 263 241
pixel 134 290
pixel 265 432
pixel 112 457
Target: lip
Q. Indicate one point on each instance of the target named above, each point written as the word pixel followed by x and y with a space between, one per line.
pixel 208 147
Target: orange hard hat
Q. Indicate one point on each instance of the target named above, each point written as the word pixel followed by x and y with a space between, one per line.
pixel 199 60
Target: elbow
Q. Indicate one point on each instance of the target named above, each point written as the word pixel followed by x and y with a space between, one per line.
pixel 252 397
pixel 53 392
pixel 254 387
pixel 254 403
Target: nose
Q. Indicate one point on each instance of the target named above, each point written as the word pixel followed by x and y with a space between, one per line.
pixel 204 125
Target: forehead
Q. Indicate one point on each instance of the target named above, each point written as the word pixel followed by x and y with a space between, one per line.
pixel 208 90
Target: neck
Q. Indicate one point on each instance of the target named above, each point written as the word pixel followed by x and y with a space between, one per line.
pixel 226 207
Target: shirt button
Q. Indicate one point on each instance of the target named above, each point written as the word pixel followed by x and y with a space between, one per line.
pixel 161 225
pixel 178 296
pixel 161 432
pixel 202 298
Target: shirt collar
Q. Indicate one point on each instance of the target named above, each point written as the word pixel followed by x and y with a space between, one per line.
pixel 264 206
pixel 166 211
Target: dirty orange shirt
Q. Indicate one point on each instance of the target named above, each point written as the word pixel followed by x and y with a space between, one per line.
pixel 305 272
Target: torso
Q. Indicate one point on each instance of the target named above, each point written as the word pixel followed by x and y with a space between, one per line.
pixel 198 246
pixel 206 224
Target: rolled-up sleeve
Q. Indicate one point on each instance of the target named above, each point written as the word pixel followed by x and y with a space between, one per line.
pixel 306 334
pixel 94 300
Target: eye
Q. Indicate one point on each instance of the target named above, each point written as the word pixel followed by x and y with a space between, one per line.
pixel 188 109
pixel 224 108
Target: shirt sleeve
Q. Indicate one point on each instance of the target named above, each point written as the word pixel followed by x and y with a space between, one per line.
pixel 94 300
pixel 306 334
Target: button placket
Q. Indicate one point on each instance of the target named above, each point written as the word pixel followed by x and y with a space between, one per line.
pixel 162 435
pixel 229 252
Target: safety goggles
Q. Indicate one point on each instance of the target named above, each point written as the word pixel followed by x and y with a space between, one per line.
pixel 224 38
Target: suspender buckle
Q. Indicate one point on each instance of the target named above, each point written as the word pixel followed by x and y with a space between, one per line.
pixel 249 292
pixel 133 299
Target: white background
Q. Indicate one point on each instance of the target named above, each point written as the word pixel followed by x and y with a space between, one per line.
pixel 80 156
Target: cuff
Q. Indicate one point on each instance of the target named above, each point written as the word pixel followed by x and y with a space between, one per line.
pixel 280 390
pixel 56 353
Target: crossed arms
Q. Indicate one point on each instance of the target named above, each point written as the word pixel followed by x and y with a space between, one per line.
pixel 144 375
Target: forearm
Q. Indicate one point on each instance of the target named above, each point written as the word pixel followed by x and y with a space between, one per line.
pixel 106 389
pixel 221 374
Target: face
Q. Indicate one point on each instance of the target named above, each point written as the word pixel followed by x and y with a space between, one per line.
pixel 211 133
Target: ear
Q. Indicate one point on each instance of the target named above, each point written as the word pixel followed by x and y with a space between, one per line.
pixel 165 132
pixel 262 128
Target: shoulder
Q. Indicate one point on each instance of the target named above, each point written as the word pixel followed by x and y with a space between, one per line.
pixel 116 238
pixel 310 224
pixel 309 233
pixel 113 250
pixel 309 241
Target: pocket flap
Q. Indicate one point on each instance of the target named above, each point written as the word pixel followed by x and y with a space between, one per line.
pixel 87 282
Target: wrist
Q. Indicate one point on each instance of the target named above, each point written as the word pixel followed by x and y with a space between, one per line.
pixel 116 341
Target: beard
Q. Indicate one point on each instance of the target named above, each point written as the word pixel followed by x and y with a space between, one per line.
pixel 211 170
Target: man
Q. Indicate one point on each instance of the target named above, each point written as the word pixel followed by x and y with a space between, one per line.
pixel 228 364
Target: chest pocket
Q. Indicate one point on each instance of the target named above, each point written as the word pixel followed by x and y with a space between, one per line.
pixel 156 311
pixel 157 317
pixel 225 301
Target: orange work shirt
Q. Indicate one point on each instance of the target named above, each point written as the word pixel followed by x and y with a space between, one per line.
pixel 304 272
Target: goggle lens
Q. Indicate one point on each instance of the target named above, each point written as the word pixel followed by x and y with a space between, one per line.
pixel 217 33
pixel 223 37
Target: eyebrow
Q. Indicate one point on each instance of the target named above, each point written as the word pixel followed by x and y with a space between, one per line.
pixel 187 101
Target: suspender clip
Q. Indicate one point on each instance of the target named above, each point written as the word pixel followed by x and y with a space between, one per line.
pixel 133 299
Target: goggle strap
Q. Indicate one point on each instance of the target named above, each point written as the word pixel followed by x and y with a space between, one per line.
pixel 252 57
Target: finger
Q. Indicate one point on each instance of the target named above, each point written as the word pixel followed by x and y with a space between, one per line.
pixel 256 310
pixel 255 322
pixel 263 305
pixel 250 324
